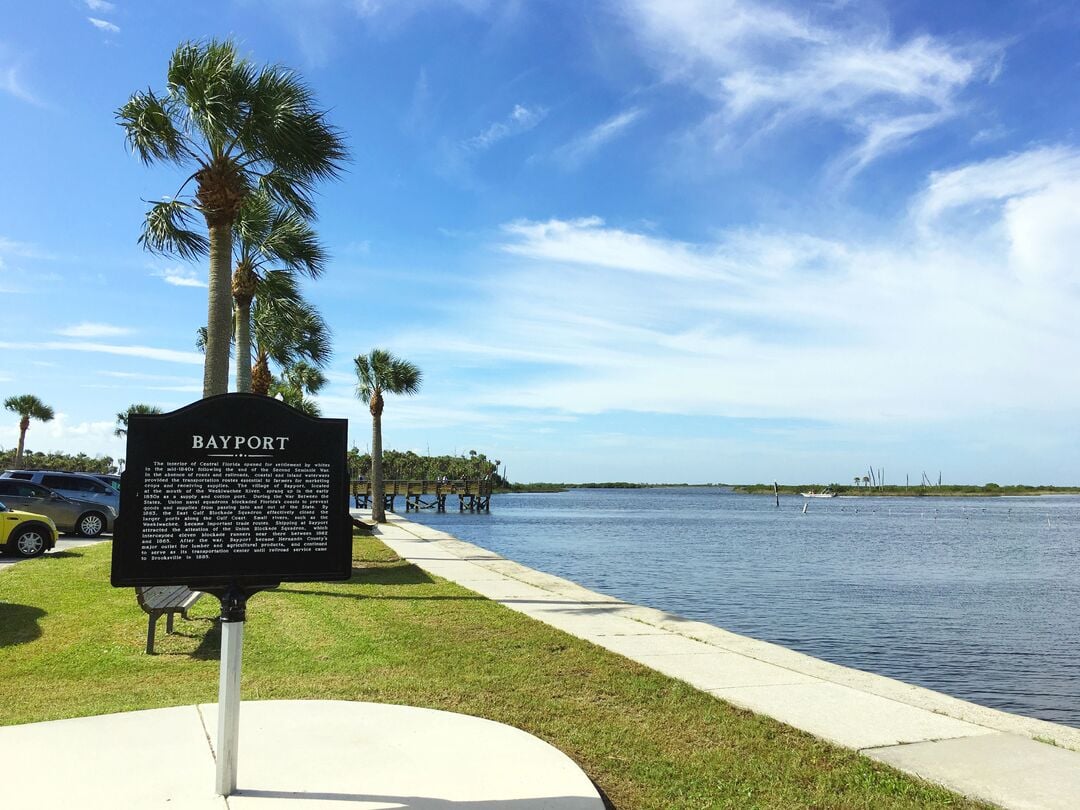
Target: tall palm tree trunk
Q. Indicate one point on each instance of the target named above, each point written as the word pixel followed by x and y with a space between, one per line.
pixel 24 425
pixel 243 346
pixel 378 487
pixel 219 311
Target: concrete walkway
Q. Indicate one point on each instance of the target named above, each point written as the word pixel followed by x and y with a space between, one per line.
pixel 294 754
pixel 977 751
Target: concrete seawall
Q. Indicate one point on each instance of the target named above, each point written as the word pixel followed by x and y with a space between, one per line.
pixel 980 752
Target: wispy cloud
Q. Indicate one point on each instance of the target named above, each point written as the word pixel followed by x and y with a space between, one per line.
pixel 521 119
pixel 104 25
pixel 146 352
pixel 577 151
pixel 587 242
pixel 179 277
pixel 24 250
pixel 12 84
pixel 766 67
pixel 765 323
pixel 100 6
pixel 87 329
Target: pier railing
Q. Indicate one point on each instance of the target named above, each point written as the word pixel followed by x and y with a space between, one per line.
pixel 474 495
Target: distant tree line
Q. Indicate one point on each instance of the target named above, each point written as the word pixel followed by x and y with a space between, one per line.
pixel 57 461
pixel 412 466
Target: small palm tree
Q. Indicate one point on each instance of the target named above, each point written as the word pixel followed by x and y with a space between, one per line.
pixel 285 329
pixel 857 480
pixel 27 407
pixel 381 373
pixel 122 417
pixel 266 233
pixel 296 383
pixel 240 128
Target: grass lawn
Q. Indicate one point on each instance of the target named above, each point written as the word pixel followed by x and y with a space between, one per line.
pixel 71 645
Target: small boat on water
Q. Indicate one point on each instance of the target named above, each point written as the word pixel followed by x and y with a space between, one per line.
pixel 824 494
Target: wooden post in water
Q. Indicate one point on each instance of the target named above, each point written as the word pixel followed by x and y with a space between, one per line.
pixel 776 492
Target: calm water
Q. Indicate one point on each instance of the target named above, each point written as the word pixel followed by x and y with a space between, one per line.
pixel 978 598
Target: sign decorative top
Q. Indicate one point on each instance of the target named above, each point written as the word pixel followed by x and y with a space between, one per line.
pixel 235 489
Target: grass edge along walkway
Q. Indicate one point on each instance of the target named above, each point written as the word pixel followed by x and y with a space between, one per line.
pixel 71 645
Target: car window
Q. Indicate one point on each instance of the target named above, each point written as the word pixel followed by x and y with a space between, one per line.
pixel 29 490
pixel 22 476
pixel 57 482
pixel 7 486
pixel 78 484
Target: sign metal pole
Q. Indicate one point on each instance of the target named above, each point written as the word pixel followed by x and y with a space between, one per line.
pixel 233 604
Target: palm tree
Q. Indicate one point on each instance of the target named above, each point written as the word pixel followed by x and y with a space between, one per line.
pixel 295 383
pixel 27 407
pixel 285 329
pixel 122 417
pixel 857 480
pixel 241 128
pixel 377 373
pixel 266 233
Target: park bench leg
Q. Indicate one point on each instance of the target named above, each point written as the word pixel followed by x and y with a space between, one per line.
pixel 169 622
pixel 150 630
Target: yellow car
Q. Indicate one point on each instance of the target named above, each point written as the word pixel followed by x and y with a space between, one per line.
pixel 25 534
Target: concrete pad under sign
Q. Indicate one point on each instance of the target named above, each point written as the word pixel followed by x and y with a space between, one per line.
pixel 1008 770
pixel 847 716
pixel 299 755
pixel 149 759
pixel 322 754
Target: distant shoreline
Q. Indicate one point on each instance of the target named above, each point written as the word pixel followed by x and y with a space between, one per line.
pixel 943 491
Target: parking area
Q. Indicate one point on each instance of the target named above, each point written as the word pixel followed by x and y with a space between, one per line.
pixel 66 542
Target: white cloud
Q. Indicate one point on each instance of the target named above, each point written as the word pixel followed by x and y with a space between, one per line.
pixel 104 25
pixel 767 67
pixel 521 119
pixel 780 324
pixel 180 277
pixel 586 241
pixel 100 6
pixel 24 250
pixel 86 329
pixel 11 83
pixel 147 352
pixel 62 434
pixel 585 146
pixel 998 179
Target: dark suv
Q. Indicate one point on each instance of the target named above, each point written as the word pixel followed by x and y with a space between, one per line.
pixel 78 486
pixel 70 515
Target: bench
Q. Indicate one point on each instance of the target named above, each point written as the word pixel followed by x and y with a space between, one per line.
pixel 363 525
pixel 167 600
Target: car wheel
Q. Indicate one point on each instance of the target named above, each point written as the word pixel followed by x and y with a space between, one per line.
pixel 29 542
pixel 91 524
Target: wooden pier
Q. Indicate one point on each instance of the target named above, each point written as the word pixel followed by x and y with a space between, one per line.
pixel 474 495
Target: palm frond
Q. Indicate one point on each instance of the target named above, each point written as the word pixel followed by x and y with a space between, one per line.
pixel 167 230
pixel 150 129
pixel 379 370
pixel 289 329
pixel 29 406
pixel 293 242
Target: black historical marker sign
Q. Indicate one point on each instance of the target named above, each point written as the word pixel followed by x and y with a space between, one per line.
pixel 237 489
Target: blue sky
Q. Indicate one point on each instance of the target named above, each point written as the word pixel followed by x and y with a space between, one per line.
pixel 669 240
